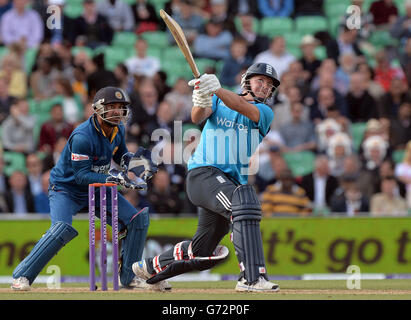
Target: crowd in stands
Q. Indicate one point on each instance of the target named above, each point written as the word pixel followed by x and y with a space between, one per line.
pixel 340 141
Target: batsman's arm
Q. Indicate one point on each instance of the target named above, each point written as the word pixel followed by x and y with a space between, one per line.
pixel 198 114
pixel 239 104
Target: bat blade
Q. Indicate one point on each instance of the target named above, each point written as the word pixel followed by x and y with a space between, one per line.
pixel 181 41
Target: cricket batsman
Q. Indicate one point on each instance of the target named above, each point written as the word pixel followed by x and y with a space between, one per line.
pixel 86 159
pixel 217 181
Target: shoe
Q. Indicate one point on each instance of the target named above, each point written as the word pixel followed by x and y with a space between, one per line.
pixel 21 284
pixel 137 284
pixel 262 285
pixel 140 270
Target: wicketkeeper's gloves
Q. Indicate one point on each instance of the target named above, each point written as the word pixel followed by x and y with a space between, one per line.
pixel 139 163
pixel 120 178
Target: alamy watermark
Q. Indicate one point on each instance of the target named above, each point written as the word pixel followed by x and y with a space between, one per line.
pixel 354 278
pixel 54 20
pixel 54 281
pixel 353 21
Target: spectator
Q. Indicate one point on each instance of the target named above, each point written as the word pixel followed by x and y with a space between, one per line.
pixel 51 159
pixel 118 14
pixel 405 60
pixel 339 147
pixel 235 62
pixel 325 129
pixel 284 197
pixel 309 60
pixel 214 43
pixel 353 167
pixel 373 87
pixel 361 106
pixel 17 129
pixel 219 12
pixel 320 185
pixel 72 104
pixel 393 98
pixel 401 28
pixel 79 82
pixel 5 5
pixel 403 172
pixel 348 199
pixel 19 198
pixel 384 13
pixel 6 100
pixel 93 28
pixel 385 72
pixel 4 185
pixel 298 134
pixel 283 110
pixel 53 129
pixel 346 42
pixel 388 202
pixel 145 17
pixel 276 56
pixel 301 76
pixel 256 43
pixel 43 79
pixel 22 25
pixel 375 150
pixel 271 162
pixel 13 73
pixel 160 82
pixel 142 64
pixel 270 8
pixel 179 100
pixel 400 128
pixel 326 101
pixel 34 171
pixel 99 77
pixel 387 169
pixel 163 196
pixel 41 200
pixel 189 21
pixel 143 113
pixel 311 8
pixel 136 199
pixel 348 63
pixel 242 7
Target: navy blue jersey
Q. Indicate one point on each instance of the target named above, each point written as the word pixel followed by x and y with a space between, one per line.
pixel 86 158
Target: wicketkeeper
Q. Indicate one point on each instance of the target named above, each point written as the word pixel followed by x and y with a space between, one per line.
pixel 217 181
pixel 86 159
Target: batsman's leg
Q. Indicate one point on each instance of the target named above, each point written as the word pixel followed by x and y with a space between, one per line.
pixel 246 237
pixel 201 253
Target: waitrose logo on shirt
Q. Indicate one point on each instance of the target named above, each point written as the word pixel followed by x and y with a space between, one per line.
pixel 230 124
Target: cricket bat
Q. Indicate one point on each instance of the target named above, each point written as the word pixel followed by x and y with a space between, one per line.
pixel 181 40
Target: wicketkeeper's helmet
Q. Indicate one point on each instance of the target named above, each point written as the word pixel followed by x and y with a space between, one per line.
pixel 108 95
pixel 260 69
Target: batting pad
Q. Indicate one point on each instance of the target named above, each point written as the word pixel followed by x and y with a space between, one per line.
pixel 178 267
pixel 246 235
pixel 46 248
pixel 133 245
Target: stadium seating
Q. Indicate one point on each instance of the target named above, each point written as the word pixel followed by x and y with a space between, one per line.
pixel 157 39
pixel 398 156
pixel 124 40
pixel 300 163
pixel 357 133
pixel 13 161
pixel 311 24
pixel 275 26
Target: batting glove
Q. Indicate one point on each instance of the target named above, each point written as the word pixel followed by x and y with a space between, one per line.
pixel 202 101
pixel 206 85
